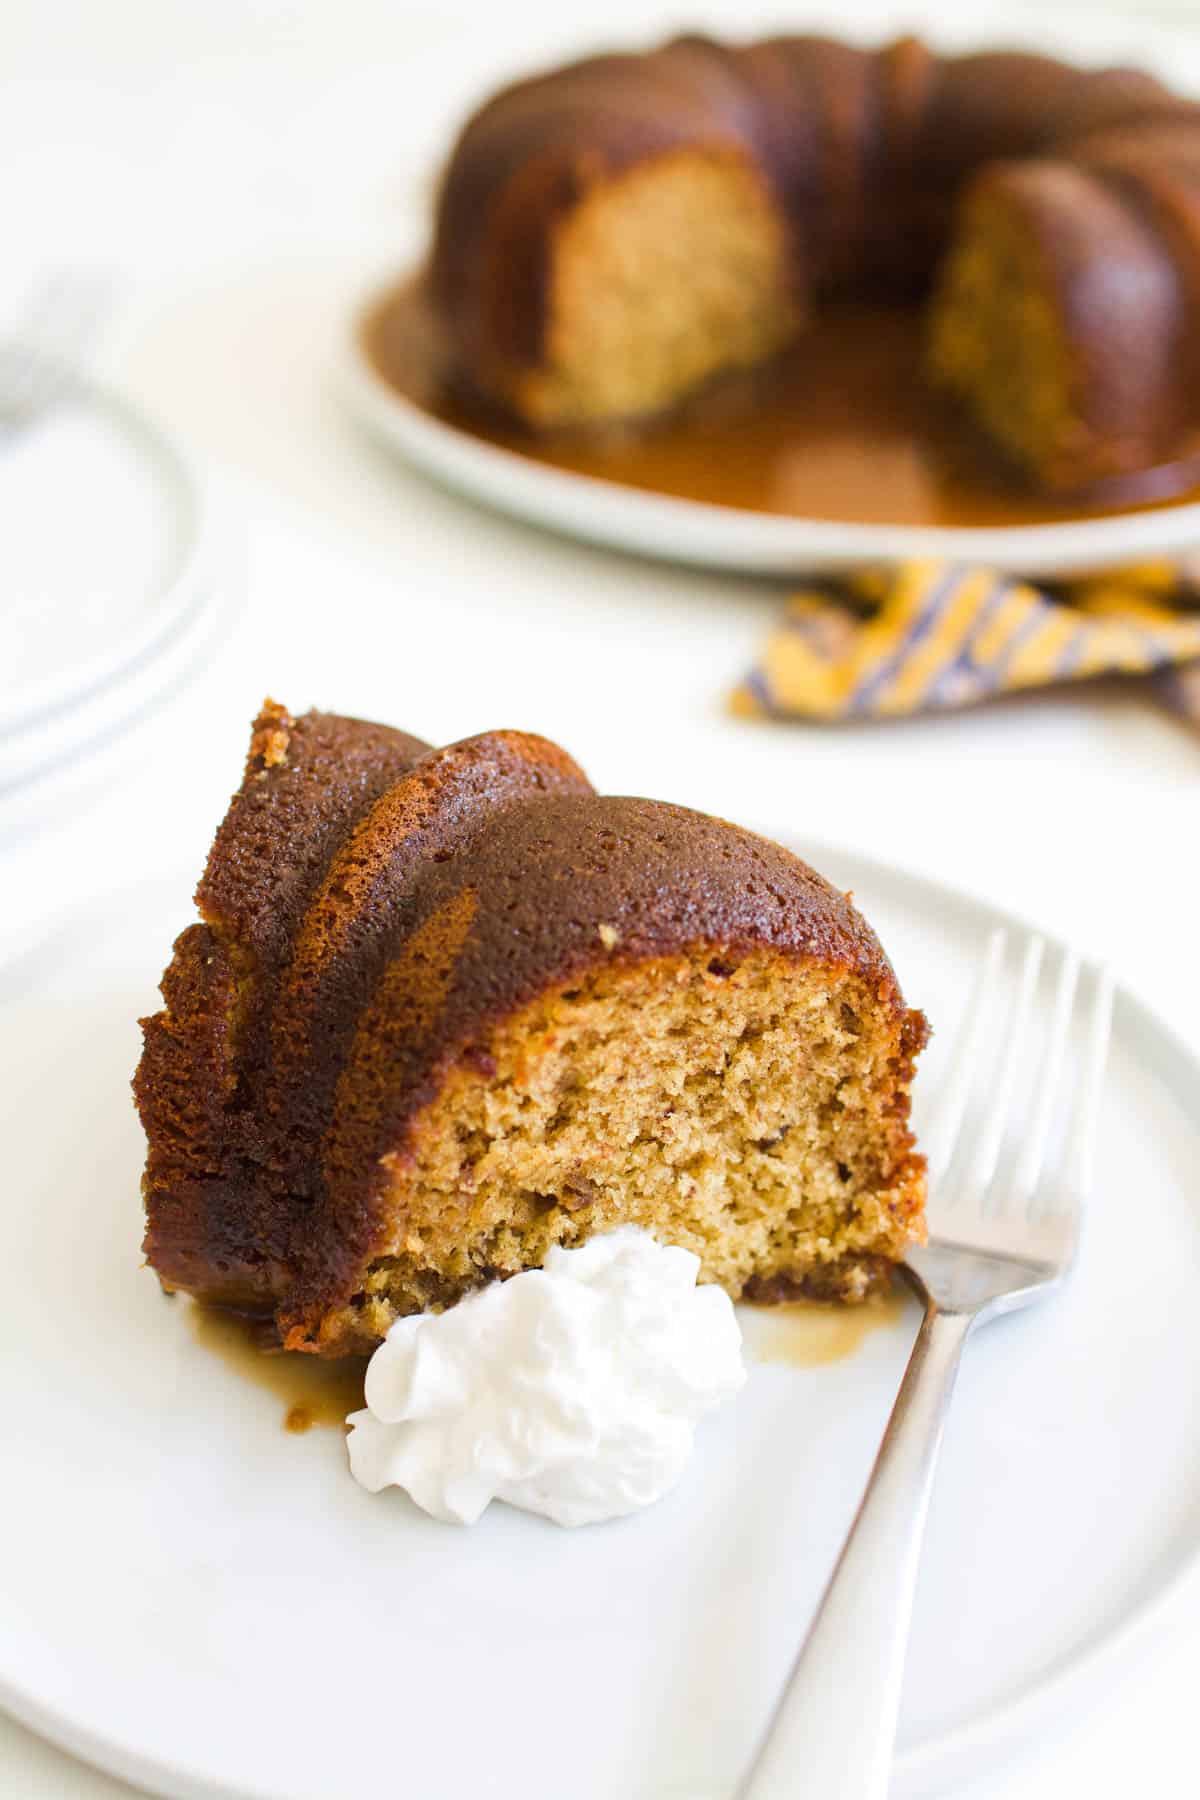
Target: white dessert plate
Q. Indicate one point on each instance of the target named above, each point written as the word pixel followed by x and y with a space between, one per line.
pixel 621 517
pixel 200 1602
pixel 51 769
pixel 102 537
pixel 405 119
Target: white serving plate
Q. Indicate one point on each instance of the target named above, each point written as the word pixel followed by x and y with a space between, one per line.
pixel 728 537
pixel 201 1603
pixel 104 522
pixel 405 118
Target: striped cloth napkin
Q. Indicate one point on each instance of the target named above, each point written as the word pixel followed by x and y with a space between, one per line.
pixel 927 636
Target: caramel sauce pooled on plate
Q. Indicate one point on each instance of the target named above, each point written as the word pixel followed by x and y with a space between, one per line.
pixel 841 426
pixel 311 1390
pixel 808 1333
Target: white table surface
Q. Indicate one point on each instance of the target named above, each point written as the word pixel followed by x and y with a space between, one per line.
pixel 212 157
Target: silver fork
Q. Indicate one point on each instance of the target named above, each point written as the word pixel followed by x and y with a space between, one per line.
pixel 50 346
pixel 1008 1235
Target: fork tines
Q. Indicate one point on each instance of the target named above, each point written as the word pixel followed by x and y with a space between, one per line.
pixel 1006 1085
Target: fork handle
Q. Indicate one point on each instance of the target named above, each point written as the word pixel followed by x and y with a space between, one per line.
pixel 833 1730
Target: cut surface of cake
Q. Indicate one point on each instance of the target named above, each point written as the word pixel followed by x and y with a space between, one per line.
pixel 448 1008
pixel 612 233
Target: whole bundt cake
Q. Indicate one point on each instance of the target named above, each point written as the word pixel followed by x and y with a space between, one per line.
pixel 612 234
pixel 448 1008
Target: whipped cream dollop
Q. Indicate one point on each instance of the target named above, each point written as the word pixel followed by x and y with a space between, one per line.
pixel 573 1390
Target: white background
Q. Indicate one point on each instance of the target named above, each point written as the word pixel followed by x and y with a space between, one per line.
pixel 242 169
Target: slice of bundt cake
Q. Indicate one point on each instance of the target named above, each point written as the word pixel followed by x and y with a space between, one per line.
pixel 448 1008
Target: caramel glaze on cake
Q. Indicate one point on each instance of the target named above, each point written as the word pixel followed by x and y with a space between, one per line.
pixel 611 234
pixel 447 1007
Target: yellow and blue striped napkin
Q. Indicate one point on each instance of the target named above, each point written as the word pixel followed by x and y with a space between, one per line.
pixel 928 636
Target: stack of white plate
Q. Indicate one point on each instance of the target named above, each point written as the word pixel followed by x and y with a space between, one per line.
pixel 108 593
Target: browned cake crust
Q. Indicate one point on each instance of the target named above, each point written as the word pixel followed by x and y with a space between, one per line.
pixel 376 916
pixel 857 145
pixel 1090 377
pixel 865 156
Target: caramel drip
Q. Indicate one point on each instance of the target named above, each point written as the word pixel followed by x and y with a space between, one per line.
pixel 841 426
pixel 810 1333
pixel 311 1390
